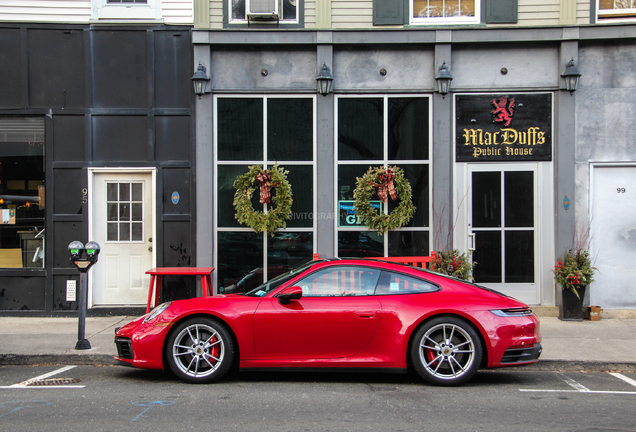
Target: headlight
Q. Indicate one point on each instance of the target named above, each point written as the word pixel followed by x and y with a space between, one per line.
pixel 156 311
pixel 512 312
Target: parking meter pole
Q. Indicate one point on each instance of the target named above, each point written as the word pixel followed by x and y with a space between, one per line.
pixel 76 249
pixel 82 342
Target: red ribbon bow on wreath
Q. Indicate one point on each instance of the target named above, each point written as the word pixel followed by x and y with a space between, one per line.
pixel 264 179
pixel 386 186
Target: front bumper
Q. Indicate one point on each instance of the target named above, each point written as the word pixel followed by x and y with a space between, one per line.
pixel 141 344
pixel 521 355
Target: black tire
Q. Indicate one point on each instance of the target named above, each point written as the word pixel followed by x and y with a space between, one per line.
pixel 200 350
pixel 446 351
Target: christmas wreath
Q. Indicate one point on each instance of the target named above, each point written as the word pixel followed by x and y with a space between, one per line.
pixel 390 181
pixel 276 216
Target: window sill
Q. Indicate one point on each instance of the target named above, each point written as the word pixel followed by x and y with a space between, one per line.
pixel 109 21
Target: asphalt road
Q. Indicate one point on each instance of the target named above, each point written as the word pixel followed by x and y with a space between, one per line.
pixel 114 398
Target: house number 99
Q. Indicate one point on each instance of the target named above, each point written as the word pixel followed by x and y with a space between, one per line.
pixel 620 190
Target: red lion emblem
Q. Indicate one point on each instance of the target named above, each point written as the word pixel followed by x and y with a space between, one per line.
pixel 503 110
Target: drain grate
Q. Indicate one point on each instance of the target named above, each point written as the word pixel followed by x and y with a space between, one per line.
pixel 51 382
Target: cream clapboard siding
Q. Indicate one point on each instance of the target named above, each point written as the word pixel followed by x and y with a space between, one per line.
pixel 349 14
pixel 358 14
pixel 216 14
pixel 583 12
pixel 177 12
pixel 80 11
pixel 310 14
pixel 66 11
pixel 538 12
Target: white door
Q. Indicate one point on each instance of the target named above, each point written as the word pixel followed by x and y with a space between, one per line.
pixel 500 218
pixel 613 236
pixel 122 222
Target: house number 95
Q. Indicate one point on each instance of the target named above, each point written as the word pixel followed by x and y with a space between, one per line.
pixel 84 196
pixel 620 190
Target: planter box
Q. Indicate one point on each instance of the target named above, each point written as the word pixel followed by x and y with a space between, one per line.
pixel 571 306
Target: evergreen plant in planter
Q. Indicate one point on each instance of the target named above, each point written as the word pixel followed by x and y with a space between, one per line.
pixel 453 263
pixel 574 273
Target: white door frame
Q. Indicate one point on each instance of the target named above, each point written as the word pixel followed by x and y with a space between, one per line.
pixel 544 218
pixel 120 170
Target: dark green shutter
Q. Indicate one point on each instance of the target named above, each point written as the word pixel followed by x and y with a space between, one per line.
pixel 388 12
pixel 501 11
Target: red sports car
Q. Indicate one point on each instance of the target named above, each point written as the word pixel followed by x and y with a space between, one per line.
pixel 339 313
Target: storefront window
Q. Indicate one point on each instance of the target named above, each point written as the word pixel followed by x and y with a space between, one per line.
pixel 380 131
pixel 263 131
pixel 22 192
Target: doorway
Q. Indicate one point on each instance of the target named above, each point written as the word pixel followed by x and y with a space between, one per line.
pixel 122 222
pixel 506 223
pixel 613 236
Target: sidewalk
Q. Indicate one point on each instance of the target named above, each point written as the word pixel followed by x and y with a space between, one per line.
pixel 608 344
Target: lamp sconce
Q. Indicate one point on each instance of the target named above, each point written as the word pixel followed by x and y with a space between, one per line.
pixel 325 80
pixel 443 79
pixel 200 81
pixel 571 77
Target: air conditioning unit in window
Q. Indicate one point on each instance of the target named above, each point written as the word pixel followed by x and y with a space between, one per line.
pixel 262 9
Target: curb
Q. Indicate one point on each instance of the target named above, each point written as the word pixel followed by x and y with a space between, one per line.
pixel 66 359
pixel 577 366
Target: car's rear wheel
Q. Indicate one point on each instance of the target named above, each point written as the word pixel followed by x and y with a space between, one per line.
pixel 446 351
pixel 200 350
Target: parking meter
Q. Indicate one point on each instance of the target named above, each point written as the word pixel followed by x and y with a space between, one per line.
pixel 76 251
pixel 92 250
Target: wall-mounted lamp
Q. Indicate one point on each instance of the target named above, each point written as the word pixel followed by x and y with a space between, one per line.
pixel 443 79
pixel 200 81
pixel 325 80
pixel 571 77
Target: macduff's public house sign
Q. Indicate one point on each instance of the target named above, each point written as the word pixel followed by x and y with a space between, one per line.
pixel 503 127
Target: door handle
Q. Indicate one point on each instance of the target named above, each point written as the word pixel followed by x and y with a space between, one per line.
pixel 367 315
pixel 471 242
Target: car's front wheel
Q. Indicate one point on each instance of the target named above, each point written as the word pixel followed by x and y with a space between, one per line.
pixel 446 351
pixel 200 350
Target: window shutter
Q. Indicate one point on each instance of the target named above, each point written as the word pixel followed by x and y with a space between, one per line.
pixel 501 11
pixel 388 12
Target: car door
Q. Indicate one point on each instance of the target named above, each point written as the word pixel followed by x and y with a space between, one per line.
pixel 335 318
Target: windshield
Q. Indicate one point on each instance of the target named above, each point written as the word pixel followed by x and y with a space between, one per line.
pixel 274 283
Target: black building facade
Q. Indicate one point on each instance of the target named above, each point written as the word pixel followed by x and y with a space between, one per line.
pixel 96 143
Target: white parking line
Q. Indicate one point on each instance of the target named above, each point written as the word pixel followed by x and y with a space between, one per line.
pixel 24 384
pixel 624 378
pixel 579 388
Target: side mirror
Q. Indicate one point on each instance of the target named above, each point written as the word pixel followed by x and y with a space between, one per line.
pixel 289 294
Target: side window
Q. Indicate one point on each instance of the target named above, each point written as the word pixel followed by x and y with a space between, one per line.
pixel 263 11
pixel 126 9
pixel 397 283
pixel 616 10
pixel 340 282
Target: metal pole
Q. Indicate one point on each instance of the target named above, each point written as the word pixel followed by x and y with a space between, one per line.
pixel 82 342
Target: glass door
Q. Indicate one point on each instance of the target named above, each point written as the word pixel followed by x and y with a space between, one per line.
pixel 503 229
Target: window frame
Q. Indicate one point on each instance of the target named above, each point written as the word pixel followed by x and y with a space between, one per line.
pixel 228 22
pixel 264 161
pixel 614 15
pixel 446 20
pixel 102 9
pixel 385 162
